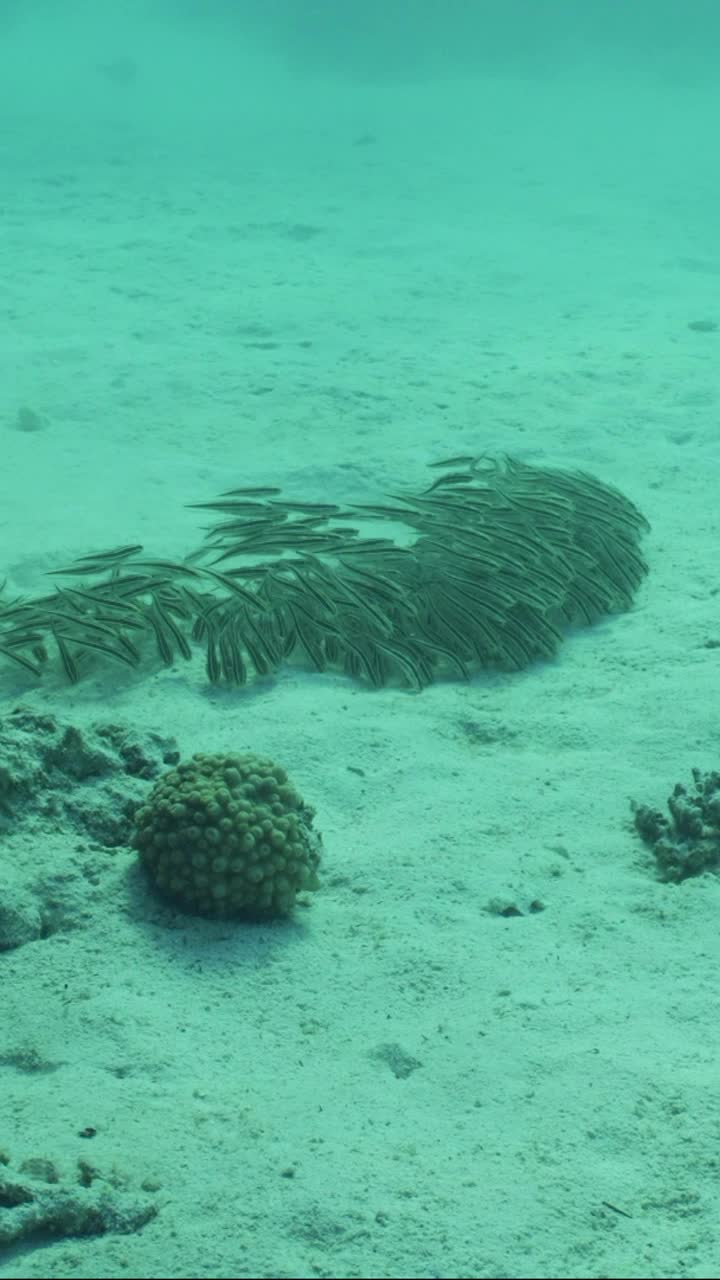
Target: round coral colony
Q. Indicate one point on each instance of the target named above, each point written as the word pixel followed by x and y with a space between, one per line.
pixel 228 836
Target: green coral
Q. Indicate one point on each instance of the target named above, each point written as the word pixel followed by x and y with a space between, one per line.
pixel 228 836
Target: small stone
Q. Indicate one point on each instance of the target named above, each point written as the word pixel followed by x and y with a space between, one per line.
pixel 703 326
pixel 26 419
pixel 20 919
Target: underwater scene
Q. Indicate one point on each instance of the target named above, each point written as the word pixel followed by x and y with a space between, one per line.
pixel 359 639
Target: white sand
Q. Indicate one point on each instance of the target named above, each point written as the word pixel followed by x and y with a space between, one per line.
pixel 508 267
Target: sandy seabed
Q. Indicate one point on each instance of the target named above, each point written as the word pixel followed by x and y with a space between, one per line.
pixel 421 1074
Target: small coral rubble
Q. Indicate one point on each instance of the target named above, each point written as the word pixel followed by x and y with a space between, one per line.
pixel 688 842
pixel 37 1202
pixel 67 799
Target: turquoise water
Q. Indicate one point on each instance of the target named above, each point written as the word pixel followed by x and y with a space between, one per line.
pixel 308 250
